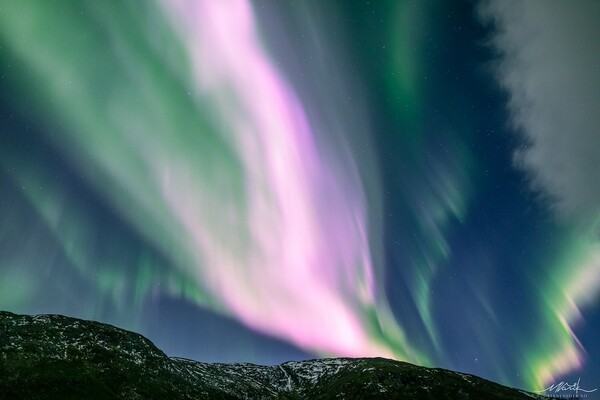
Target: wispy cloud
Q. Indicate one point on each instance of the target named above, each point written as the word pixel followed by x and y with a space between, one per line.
pixel 549 65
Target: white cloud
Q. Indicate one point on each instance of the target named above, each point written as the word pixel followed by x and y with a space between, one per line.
pixel 550 67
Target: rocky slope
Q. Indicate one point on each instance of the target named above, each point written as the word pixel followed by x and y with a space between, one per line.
pixel 56 357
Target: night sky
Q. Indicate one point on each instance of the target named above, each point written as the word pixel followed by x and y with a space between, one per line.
pixel 264 181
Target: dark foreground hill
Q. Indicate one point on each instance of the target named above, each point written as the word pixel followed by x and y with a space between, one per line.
pixel 55 357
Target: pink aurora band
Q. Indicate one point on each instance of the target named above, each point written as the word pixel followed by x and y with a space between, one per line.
pixel 294 262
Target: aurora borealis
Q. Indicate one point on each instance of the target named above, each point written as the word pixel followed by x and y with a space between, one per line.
pixel 271 180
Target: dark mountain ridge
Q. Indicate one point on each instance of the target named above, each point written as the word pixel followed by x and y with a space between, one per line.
pixel 57 357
